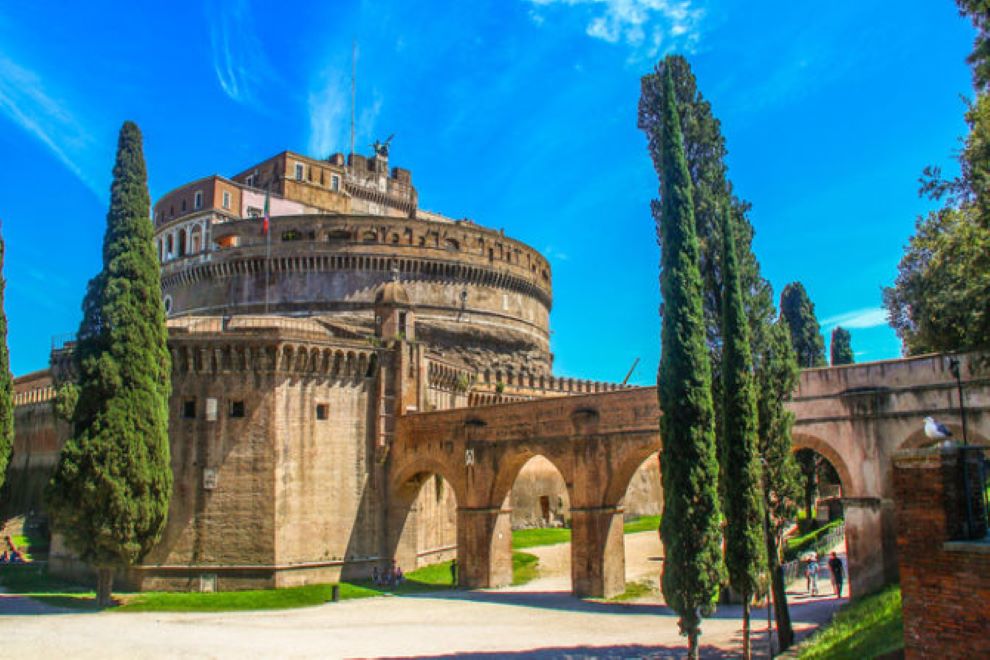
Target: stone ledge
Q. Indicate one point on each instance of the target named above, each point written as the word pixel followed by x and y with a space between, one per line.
pixel 976 546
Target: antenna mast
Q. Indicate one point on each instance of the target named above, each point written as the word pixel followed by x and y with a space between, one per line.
pixel 353 92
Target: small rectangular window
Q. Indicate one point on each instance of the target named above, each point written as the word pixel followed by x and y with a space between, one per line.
pixel 237 409
pixel 335 183
pixel 198 200
pixel 249 181
pixel 211 410
pixel 189 408
pixel 226 200
pixel 322 411
pixel 299 172
pixel 183 206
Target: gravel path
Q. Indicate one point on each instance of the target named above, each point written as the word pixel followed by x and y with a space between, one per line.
pixel 539 620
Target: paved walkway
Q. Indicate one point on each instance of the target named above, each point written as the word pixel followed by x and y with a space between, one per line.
pixel 538 620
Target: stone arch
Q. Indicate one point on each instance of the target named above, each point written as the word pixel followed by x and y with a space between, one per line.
pixel 851 486
pixel 623 470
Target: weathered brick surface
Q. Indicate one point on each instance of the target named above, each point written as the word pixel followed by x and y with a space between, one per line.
pixel 945 588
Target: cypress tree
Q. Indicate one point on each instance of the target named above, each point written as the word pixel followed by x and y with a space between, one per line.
pixel 6 383
pixel 691 525
pixel 798 311
pixel 745 547
pixel 110 491
pixel 776 378
pixel 842 352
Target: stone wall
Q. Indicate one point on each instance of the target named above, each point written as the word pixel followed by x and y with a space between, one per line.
pixel 945 582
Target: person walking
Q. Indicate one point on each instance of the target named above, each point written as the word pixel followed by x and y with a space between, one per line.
pixel 813 576
pixel 838 573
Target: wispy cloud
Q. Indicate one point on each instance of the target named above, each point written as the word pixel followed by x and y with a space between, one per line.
pixel 238 55
pixel 28 102
pixel 553 254
pixel 868 317
pixel 329 110
pixel 647 27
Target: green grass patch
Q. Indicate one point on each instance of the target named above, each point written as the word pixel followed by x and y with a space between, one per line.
pixel 524 567
pixel 635 591
pixel 33 581
pixel 798 545
pixel 865 629
pixel 531 538
pixel 641 524
pixel 231 601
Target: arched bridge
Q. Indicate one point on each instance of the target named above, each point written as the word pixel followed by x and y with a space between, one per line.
pixel 857 416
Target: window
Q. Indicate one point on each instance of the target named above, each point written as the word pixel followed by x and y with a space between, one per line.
pixel 291 235
pixel 335 183
pixel 189 409
pixel 198 200
pixel 249 181
pixel 183 206
pixel 322 411
pixel 226 200
pixel 211 410
pixel 237 409
pixel 299 172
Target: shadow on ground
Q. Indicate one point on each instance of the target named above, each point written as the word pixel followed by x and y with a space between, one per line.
pixel 598 652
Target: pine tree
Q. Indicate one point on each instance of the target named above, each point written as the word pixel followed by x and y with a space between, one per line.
pixel 798 311
pixel 691 523
pixel 745 547
pixel 110 491
pixel 6 383
pixel 841 350
pixel 776 378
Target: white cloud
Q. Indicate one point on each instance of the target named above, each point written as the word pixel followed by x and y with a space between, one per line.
pixel 27 102
pixel 239 59
pixel 642 25
pixel 329 113
pixel 868 317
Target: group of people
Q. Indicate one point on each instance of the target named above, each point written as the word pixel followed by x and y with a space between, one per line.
pixel 812 570
pixel 11 555
pixel 392 576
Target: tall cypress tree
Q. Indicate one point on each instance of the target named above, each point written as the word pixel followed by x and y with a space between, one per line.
pixel 691 526
pixel 745 547
pixel 842 352
pixel 110 491
pixel 6 383
pixel 776 378
pixel 798 311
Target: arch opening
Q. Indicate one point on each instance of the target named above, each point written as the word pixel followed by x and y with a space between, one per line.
pixel 422 527
pixel 642 508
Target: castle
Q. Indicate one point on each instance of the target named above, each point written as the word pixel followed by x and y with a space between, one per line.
pixel 295 350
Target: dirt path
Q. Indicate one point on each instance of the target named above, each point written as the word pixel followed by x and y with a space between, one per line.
pixel 539 620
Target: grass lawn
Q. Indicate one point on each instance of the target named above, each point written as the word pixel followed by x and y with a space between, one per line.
pixel 229 601
pixel 33 581
pixel 636 590
pixel 797 545
pixel 530 538
pixel 865 629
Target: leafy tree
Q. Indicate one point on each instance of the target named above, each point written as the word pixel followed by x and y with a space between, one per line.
pixel 691 522
pixel 842 352
pixel 979 12
pixel 110 491
pixel 941 297
pixel 745 546
pixel 776 379
pixel 809 463
pixel 6 384
pixel 797 310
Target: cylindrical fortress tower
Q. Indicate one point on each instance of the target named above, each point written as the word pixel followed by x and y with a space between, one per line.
pixel 478 294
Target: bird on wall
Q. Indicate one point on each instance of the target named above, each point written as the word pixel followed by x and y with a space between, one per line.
pixel 937 431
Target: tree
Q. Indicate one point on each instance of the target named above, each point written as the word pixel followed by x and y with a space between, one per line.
pixel 6 383
pixel 776 378
pixel 110 490
pixel 797 310
pixel 940 299
pixel 691 523
pixel 979 12
pixel 842 352
pixel 745 547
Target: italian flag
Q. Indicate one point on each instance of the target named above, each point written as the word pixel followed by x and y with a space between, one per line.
pixel 264 224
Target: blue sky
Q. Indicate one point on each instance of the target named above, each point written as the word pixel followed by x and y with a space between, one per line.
pixel 520 114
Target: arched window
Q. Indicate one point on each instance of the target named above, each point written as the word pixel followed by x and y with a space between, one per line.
pixel 170 247
pixel 182 243
pixel 196 240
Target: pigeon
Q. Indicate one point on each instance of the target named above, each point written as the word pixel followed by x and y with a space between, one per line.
pixel 936 431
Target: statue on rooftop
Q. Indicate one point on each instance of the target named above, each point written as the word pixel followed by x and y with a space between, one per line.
pixel 381 148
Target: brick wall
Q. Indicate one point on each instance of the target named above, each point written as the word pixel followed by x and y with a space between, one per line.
pixel 945 584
